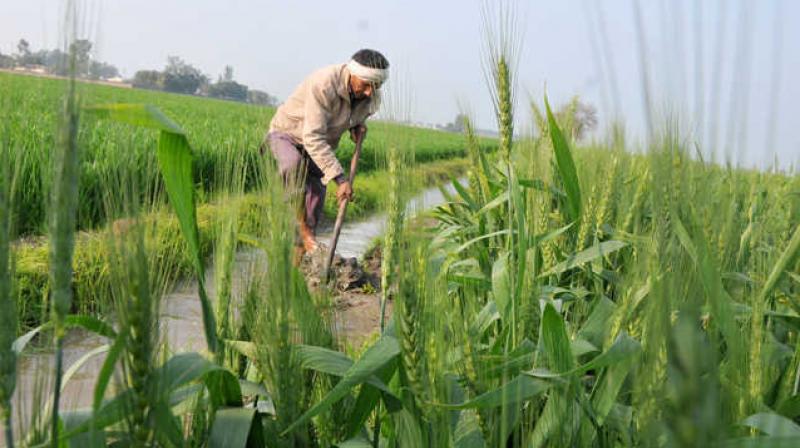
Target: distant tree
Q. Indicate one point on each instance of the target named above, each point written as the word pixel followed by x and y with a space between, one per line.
pixel 261 98
pixel 36 57
pixel 181 77
pixel 584 119
pixel 6 61
pixel 101 70
pixel 82 49
pixel 148 79
pixel 25 56
pixel 228 90
pixel 56 62
pixel 227 75
pixel 23 48
pixel 205 86
pixel 457 125
pixel 576 118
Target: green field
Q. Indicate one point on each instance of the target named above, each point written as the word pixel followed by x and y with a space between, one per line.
pixel 225 137
pixel 222 134
pixel 566 296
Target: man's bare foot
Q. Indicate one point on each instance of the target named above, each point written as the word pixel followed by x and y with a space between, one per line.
pixel 308 239
pixel 310 245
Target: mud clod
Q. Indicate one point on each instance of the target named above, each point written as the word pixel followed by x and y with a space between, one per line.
pixel 346 273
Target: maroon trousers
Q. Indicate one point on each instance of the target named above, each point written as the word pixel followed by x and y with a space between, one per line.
pixel 297 169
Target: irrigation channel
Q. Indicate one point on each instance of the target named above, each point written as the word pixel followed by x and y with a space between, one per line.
pixel 182 323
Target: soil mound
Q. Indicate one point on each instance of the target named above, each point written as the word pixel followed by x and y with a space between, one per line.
pixel 356 285
pixel 347 274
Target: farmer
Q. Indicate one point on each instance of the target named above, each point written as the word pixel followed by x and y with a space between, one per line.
pixel 306 129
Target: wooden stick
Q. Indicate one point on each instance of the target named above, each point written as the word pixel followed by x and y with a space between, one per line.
pixel 326 272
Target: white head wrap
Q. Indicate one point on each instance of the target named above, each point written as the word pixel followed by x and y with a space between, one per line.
pixel 369 74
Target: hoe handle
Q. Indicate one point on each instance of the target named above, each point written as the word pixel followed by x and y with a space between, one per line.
pixel 342 209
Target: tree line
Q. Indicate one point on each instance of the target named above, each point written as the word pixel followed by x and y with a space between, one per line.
pixel 57 62
pixel 177 76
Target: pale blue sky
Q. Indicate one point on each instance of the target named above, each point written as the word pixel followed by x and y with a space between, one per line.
pixel 435 48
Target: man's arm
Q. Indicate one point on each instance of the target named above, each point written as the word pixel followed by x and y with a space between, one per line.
pixel 315 126
pixel 345 190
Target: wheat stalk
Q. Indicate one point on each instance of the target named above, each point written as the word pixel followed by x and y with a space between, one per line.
pixel 603 208
pixel 409 310
pixel 8 311
pixel 62 227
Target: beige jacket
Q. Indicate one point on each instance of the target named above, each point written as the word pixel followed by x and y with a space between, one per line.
pixel 318 112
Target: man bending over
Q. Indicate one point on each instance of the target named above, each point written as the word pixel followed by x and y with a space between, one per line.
pixel 306 129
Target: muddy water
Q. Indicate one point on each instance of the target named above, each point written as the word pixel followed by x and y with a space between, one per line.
pixel 182 324
pixel 355 238
pixel 181 329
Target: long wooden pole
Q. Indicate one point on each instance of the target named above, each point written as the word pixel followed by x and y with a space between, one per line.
pixel 342 209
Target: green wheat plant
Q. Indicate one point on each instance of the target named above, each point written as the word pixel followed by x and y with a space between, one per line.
pixel 63 215
pixel 8 361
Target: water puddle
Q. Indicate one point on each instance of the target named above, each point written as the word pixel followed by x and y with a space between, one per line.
pixel 355 238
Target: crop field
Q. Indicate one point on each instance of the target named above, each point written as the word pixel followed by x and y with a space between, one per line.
pixel 562 296
pixel 221 133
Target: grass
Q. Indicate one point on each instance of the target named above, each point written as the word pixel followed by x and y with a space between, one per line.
pixel 8 312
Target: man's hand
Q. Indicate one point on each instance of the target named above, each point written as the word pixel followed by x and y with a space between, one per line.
pixel 344 191
pixel 356 130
